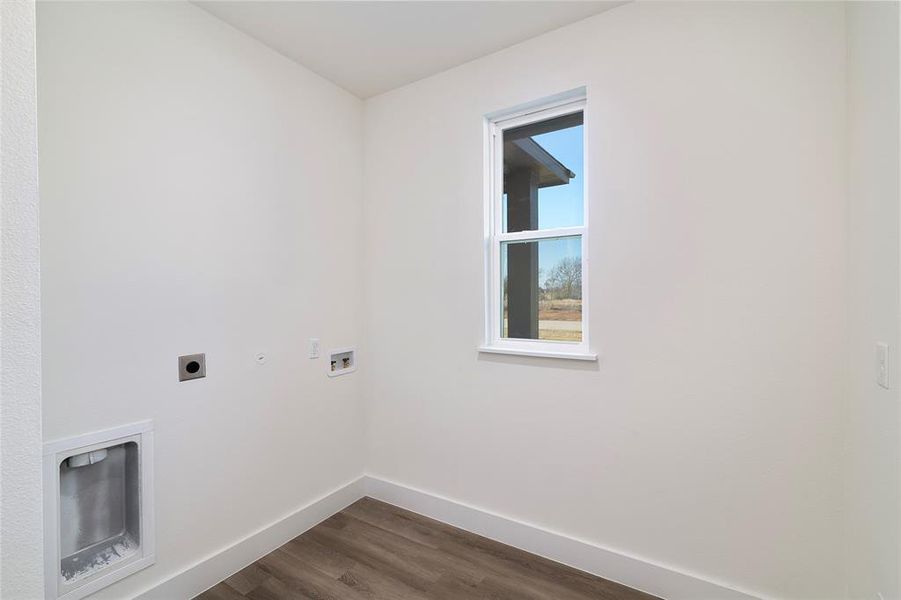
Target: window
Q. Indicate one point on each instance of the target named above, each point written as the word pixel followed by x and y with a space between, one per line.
pixel 536 293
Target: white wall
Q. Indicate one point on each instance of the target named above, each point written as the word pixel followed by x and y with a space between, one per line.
pixel 874 501
pixel 708 437
pixel 200 193
pixel 733 286
pixel 21 566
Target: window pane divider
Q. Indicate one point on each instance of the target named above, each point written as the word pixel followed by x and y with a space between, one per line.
pixel 540 234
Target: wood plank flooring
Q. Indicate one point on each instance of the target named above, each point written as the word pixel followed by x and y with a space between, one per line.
pixel 376 551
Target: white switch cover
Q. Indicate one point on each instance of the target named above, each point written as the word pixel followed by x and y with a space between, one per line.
pixel 315 347
pixel 882 365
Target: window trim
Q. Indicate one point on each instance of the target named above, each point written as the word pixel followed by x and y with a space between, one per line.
pixel 495 236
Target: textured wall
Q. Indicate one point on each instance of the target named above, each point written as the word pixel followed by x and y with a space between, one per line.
pixel 20 344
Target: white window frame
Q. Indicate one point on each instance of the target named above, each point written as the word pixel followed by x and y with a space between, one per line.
pixel 495 236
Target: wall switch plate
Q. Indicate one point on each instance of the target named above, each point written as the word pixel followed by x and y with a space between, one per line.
pixel 191 366
pixel 882 365
pixel 315 347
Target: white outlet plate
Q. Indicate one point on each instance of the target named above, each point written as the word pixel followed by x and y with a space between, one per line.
pixel 883 365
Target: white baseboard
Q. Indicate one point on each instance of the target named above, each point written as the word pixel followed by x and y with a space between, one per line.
pixel 632 571
pixel 209 571
pixel 616 566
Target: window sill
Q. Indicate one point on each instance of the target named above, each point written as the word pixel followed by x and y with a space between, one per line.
pixel 587 356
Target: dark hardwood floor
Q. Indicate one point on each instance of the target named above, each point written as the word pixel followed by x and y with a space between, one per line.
pixel 372 550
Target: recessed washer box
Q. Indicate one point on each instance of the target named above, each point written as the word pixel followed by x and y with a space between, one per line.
pixel 342 361
pixel 98 509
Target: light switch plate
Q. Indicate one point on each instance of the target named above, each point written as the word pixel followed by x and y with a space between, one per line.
pixel 882 365
pixel 315 347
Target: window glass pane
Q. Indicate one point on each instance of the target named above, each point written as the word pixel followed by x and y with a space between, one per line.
pixel 541 289
pixel 543 175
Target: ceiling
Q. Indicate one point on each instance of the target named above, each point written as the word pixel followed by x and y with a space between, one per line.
pixel 374 46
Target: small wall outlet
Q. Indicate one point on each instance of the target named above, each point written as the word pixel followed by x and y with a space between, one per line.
pixel 191 366
pixel 315 348
pixel 342 361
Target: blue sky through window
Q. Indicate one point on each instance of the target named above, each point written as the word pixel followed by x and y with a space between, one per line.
pixel 550 252
pixel 561 206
